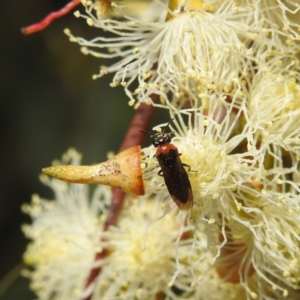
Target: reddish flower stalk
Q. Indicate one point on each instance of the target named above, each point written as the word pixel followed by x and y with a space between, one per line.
pixel 133 137
pixel 49 18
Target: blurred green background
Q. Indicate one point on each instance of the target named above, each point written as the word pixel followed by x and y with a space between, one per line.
pixel 48 103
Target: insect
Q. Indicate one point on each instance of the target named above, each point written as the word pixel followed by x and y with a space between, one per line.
pixel 172 169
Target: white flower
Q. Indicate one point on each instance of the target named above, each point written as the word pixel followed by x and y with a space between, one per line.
pixel 274 108
pixel 148 256
pixel 238 181
pixel 194 51
pixel 65 236
pixel 279 22
pixel 273 122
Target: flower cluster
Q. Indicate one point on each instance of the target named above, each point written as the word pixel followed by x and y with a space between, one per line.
pixel 151 252
pixel 228 73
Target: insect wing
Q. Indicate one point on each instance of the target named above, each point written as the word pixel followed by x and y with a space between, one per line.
pixel 178 184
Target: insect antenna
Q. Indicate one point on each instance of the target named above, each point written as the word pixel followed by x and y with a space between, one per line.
pixel 168 125
pixel 148 132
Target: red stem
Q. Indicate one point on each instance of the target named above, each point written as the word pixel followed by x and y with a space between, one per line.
pixel 47 20
pixel 139 122
pixel 133 137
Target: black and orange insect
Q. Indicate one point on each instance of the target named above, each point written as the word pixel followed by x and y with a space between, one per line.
pixel 172 169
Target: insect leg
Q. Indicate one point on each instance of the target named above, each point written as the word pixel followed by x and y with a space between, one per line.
pixel 150 170
pixel 160 173
pixel 189 167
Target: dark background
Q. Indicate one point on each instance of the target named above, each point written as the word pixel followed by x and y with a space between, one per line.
pixel 48 103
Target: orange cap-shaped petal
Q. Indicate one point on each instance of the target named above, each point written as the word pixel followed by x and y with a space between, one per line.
pixel 122 171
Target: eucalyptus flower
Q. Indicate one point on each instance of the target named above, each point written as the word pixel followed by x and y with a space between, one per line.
pixel 188 48
pixel 241 178
pixel 65 235
pixel 227 72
